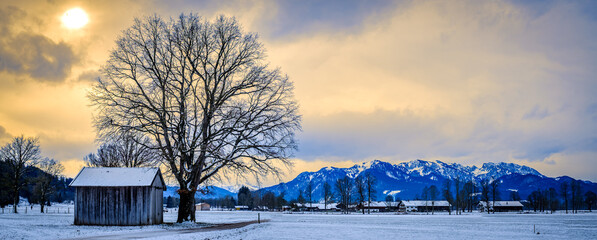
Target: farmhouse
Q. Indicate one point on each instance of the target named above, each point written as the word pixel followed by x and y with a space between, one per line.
pixel 424 206
pixel 118 196
pixel 501 206
pixel 374 206
pixel 203 207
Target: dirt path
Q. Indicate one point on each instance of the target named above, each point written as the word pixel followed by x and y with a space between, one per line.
pixel 169 232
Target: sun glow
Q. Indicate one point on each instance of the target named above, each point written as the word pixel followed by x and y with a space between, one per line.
pixel 74 18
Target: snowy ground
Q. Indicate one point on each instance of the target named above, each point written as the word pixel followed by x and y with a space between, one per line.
pixel 34 225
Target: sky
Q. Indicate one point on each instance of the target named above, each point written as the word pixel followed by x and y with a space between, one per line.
pixel 459 81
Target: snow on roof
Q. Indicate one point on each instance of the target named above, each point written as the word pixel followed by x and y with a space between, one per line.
pixel 419 203
pixel 318 205
pixel 503 203
pixel 377 204
pixel 116 177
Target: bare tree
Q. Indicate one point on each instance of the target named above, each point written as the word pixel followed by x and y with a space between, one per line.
pixel 126 150
pixel 309 193
pixel 469 194
pixel 590 199
pixel 19 153
pixel 433 194
pixel 448 194
pixel 370 182
pixel 564 192
pixel 389 202
pixel 361 192
pixel 327 195
pixel 204 94
pixel 425 196
pixel 494 191
pixel 457 183
pixel 344 188
pixel 43 187
pixel 485 193
pixel 553 199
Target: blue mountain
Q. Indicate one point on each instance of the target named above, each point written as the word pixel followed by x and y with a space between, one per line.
pixel 406 180
pixel 211 193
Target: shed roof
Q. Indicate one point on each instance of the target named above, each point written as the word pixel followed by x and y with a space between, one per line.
pixel 117 177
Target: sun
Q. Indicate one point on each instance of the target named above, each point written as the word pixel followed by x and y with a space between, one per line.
pixel 74 18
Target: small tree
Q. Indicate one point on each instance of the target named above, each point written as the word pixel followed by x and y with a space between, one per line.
pixel 43 188
pixel 553 200
pixel 457 185
pixel 344 188
pixel 433 194
pixel 494 192
pixel 590 199
pixel 448 194
pixel 389 202
pixel 370 182
pixel 425 196
pixel 564 192
pixel 327 194
pixel 245 197
pixel 301 198
pixel 19 153
pixel 309 193
pixel 485 193
pixel 361 192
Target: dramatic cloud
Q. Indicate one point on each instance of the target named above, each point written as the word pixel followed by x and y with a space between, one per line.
pixel 29 53
pixel 461 81
pixel 4 136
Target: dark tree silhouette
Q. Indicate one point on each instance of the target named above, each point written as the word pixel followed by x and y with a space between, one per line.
pixel 205 96
pixel 564 192
pixel 433 195
pixel 389 202
pixel 485 194
pixel 344 188
pixel 495 194
pixel 370 182
pixel 309 193
pixel 43 182
pixel 18 154
pixel 361 189
pixel 327 195
pixel 447 193
pixel 590 199
pixel 245 197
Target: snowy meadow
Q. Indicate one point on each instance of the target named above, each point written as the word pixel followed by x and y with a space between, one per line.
pixel 35 225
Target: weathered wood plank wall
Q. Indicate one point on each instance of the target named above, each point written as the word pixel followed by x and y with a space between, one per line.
pixel 118 205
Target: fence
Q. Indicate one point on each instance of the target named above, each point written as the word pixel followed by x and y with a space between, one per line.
pixel 66 209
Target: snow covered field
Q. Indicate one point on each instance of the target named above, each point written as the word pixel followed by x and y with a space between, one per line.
pixel 319 226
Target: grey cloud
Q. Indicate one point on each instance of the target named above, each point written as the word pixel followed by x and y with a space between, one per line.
pixel 29 53
pixel 4 136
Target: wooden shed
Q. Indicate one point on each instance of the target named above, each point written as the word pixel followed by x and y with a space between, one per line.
pixel 118 196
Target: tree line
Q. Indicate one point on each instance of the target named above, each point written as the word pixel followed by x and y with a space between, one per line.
pixel 467 194
pixel 24 172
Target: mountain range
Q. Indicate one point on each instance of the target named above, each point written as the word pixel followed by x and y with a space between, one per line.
pixel 406 180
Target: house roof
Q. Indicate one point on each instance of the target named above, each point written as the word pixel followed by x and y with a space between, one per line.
pixel 117 177
pixel 429 203
pixel 502 204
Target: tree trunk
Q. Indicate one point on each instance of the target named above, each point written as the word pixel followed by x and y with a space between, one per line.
pixel 15 200
pixel 186 208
